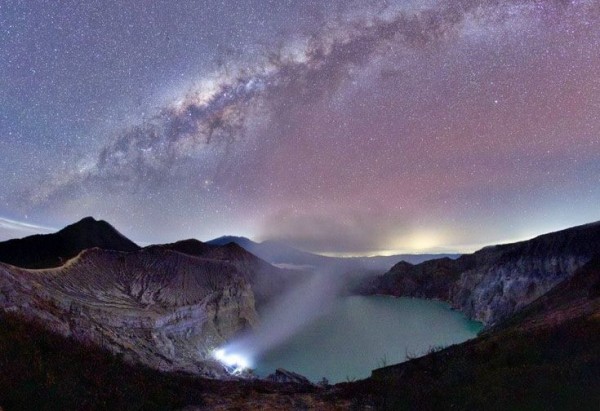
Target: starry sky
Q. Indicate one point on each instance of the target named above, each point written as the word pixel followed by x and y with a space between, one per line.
pixel 341 127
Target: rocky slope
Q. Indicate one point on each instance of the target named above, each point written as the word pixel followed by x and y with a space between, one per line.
pixel 267 280
pixel 157 307
pixel 576 297
pixel 545 357
pixel 167 306
pixel 52 250
pixel 42 370
pixel 497 281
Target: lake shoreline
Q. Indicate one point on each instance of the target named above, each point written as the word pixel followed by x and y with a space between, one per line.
pixel 361 333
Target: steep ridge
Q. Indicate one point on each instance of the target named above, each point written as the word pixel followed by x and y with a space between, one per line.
pixel 494 282
pixel 267 280
pixel 52 250
pixel 190 246
pixel 545 357
pixel 159 307
pixel 231 252
pixel 575 297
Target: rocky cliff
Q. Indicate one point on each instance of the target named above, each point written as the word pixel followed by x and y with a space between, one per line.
pixel 495 282
pixel 158 307
pixel 544 357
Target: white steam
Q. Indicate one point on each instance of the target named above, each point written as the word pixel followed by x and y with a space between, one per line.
pixel 288 314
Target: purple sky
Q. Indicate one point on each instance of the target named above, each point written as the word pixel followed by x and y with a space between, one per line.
pixel 346 128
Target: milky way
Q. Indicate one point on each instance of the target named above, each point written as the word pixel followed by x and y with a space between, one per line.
pixel 352 128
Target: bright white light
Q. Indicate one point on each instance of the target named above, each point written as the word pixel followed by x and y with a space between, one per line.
pixel 235 363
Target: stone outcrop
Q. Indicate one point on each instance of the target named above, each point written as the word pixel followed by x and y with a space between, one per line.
pixel 285 376
pixel 497 281
pixel 158 307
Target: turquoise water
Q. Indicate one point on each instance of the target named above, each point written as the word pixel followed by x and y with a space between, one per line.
pixel 360 333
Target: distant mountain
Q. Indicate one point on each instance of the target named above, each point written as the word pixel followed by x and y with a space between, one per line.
pixel 284 255
pixel 241 241
pixel 52 250
pixel 230 251
pixel 267 280
pixel 276 252
pixel 191 247
pixel 497 281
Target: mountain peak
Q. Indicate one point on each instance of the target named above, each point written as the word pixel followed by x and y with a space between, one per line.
pixel 88 219
pixel 191 246
pixel 51 250
pixel 226 239
pixel 87 222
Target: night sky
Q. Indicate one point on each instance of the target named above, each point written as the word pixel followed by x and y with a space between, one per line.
pixel 347 127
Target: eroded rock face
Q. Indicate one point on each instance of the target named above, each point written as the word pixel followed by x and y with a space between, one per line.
pixel 495 282
pixel 158 307
pixel 492 293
